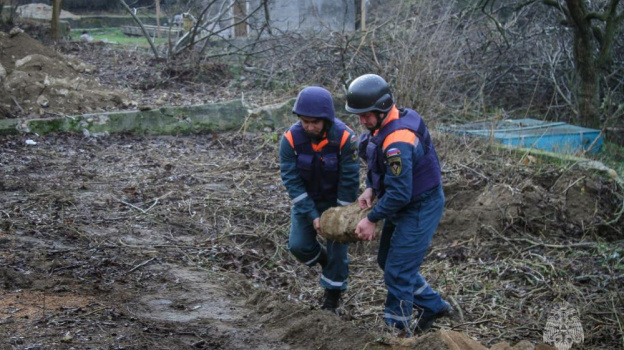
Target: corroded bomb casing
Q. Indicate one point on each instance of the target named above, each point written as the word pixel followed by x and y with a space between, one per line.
pixel 338 223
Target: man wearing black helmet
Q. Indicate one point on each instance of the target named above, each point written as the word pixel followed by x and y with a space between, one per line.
pixel 403 172
pixel 320 169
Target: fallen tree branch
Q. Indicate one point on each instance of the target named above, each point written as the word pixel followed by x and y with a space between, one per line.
pixel 131 205
pixel 140 265
pixel 17 104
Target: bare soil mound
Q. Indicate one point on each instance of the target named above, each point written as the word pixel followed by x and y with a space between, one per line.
pixel 40 81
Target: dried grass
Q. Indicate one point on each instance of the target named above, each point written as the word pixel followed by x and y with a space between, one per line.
pixel 216 202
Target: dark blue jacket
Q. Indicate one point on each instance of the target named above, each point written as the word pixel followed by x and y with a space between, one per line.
pixel 402 162
pixel 324 170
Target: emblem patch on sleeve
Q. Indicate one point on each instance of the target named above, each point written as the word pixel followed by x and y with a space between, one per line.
pixel 393 152
pixel 395 165
pixel 354 148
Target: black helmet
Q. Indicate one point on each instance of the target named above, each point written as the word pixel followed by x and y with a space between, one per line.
pixel 369 92
pixel 315 102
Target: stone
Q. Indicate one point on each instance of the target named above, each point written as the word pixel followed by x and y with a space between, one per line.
pixel 3 73
pixel 459 341
pixel 43 101
pixel 523 345
pixel 15 31
pixel 501 346
pixel 543 346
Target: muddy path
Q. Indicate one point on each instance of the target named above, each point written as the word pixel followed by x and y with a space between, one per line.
pixel 131 243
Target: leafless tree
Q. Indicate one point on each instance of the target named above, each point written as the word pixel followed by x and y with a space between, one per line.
pixel 593 28
pixel 149 39
pixel 55 30
pixel 455 59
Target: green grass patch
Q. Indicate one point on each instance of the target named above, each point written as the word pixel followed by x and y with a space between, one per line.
pixel 613 157
pixel 116 36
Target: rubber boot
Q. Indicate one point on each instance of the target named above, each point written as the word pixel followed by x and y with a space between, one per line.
pixel 425 323
pixel 331 300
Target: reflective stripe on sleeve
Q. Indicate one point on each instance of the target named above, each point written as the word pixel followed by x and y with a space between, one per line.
pixel 300 197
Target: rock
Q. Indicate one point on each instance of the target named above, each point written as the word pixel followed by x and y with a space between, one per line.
pixel 543 346
pixel 339 223
pixel 12 279
pixel 67 338
pixel 23 61
pixel 81 67
pixel 43 101
pixel 446 340
pixel 524 345
pixel 3 73
pixel 86 37
pixel 457 340
pixel 15 31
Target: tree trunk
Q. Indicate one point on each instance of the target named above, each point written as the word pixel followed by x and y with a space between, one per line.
pixel 157 2
pixel 267 16
pixel 55 30
pixel 586 65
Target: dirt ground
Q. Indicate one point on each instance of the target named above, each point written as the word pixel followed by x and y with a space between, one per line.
pixel 178 242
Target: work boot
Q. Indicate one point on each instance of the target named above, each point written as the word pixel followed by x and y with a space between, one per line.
pixel 425 322
pixel 331 299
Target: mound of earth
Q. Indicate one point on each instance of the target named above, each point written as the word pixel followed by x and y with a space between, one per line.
pixel 35 81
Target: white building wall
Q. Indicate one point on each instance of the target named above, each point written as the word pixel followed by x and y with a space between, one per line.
pixel 309 15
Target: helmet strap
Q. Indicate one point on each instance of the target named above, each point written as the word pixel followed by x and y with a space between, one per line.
pixel 380 119
pixel 326 126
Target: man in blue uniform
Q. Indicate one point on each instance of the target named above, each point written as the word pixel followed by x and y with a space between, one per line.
pixel 319 166
pixel 403 172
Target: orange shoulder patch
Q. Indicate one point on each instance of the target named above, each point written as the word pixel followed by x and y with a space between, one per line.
pixel 400 136
pixel 289 137
pixel 345 138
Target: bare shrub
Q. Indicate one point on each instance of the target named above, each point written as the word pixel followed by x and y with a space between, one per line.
pixel 456 60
